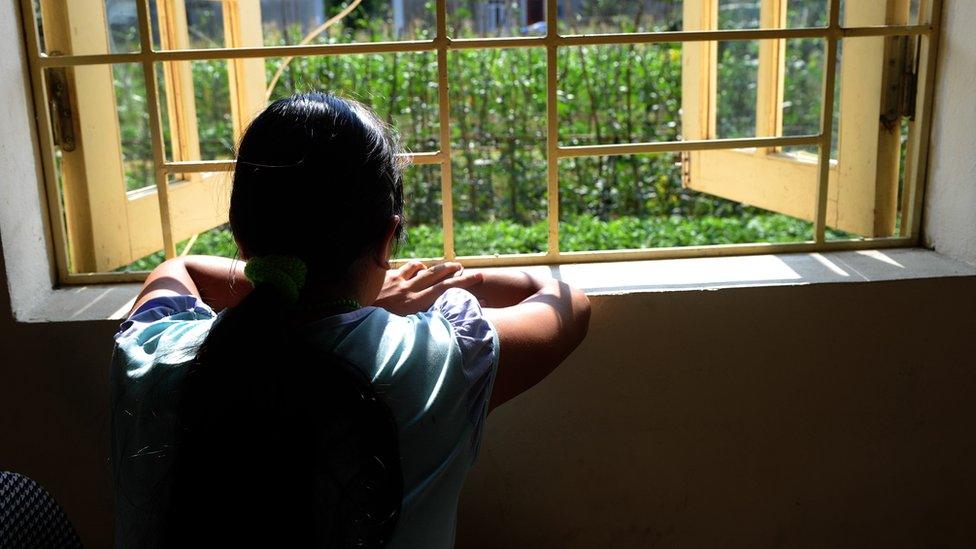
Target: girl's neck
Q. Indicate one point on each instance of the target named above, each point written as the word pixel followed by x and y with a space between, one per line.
pixel 321 299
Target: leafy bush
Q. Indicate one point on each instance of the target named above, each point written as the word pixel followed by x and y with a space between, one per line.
pixel 606 94
pixel 578 234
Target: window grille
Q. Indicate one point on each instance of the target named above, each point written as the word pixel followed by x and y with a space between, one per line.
pixel 910 48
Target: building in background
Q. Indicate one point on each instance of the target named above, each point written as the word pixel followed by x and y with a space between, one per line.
pixel 288 14
pixel 405 17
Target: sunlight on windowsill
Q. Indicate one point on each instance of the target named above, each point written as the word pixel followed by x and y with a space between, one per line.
pixel 113 301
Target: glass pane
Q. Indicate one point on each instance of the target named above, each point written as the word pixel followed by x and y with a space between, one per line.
pixel 203 103
pixel 896 12
pixel 738 14
pixel 109 26
pixel 738 73
pixel 485 18
pixel 619 94
pixel 218 241
pixel 803 86
pixel 130 103
pixel 197 24
pixel 291 22
pixel 747 14
pixel 914 12
pixel 638 201
pixel 146 263
pixel 422 210
pixel 807 13
pixel 400 87
pixel 639 99
pixel 498 136
pixel 806 59
pixel 602 17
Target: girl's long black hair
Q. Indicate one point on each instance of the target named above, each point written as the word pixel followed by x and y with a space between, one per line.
pixel 282 443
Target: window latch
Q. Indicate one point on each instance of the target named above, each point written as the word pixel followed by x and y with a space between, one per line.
pixel 900 81
pixel 59 103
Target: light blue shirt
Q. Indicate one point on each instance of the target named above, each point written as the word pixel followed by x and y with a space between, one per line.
pixel 434 370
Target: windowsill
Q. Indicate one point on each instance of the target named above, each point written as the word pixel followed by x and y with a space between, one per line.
pixel 112 301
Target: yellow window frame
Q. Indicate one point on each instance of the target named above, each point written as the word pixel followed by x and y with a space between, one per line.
pixel 96 206
pixel 862 189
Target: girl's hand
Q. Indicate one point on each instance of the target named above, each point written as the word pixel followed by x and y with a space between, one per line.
pixel 414 287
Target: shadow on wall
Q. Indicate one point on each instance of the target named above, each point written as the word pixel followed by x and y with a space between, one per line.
pixel 823 415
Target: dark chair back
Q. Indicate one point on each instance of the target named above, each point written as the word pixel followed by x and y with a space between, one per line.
pixel 30 517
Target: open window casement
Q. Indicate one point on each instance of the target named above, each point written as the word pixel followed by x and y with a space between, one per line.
pixel 863 176
pixel 107 226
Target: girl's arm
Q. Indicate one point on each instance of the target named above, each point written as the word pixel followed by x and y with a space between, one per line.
pixel 218 281
pixel 505 287
pixel 539 323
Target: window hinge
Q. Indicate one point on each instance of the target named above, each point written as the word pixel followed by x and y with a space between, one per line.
pixel 59 103
pixel 685 159
pixel 901 81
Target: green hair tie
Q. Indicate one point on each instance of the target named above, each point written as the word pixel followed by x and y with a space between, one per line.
pixel 283 273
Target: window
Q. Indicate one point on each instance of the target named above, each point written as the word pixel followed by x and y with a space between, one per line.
pixel 567 130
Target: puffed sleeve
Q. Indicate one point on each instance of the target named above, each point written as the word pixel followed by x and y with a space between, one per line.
pixel 477 340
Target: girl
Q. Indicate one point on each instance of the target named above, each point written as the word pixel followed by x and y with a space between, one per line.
pixel 331 401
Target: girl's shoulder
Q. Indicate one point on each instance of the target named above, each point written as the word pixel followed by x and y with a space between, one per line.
pixel 454 327
pixel 422 360
pixel 168 328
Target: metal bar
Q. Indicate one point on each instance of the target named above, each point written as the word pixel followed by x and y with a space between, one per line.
pixel 55 61
pixel 203 166
pixel 892 30
pixel 552 130
pixel 482 43
pixel 522 260
pixel 923 125
pixel 826 128
pixel 681 252
pixel 81 279
pixel 156 129
pixel 738 34
pixel 42 111
pixel 565 152
pixel 489 43
pixel 405 46
pixel 420 158
pixel 691 145
pixel 206 166
pixel 444 117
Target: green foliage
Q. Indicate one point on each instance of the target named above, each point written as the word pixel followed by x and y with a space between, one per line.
pixel 577 234
pixel 217 241
pixel 214 123
pixel 606 94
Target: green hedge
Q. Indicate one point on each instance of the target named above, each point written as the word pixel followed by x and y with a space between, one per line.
pixel 606 94
pixel 579 234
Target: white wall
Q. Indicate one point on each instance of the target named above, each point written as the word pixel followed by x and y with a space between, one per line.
pixel 950 203
pixel 816 416
pixel 22 216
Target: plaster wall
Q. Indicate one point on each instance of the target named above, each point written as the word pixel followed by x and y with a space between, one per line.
pixel 22 227
pixel 823 415
pixel 758 417
pixel 950 202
